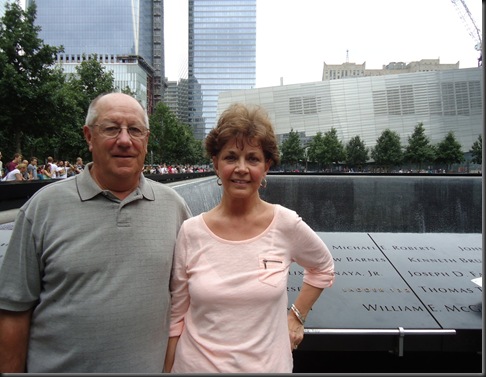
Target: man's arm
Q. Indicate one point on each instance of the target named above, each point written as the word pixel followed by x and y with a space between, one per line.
pixel 14 340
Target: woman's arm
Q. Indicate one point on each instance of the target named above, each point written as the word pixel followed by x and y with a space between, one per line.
pixel 303 303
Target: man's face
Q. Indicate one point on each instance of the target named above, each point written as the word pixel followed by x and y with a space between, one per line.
pixel 123 155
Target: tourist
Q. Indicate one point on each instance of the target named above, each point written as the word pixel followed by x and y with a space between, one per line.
pixel 32 169
pixel 231 264
pixel 84 282
pixel 17 174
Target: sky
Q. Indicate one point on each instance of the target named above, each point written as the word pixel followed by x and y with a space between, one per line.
pixel 296 37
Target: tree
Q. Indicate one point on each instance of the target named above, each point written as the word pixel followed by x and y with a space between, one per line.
pixel 172 142
pixel 326 149
pixel 66 141
pixel 315 148
pixel 333 148
pixel 357 153
pixel 27 78
pixel 388 150
pixel 419 150
pixel 448 151
pixel 291 149
pixel 90 80
pixel 477 151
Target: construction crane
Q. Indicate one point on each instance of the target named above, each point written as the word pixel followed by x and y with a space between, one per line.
pixel 471 27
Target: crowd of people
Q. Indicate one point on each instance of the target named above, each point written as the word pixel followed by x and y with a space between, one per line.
pixel 19 169
pixel 173 169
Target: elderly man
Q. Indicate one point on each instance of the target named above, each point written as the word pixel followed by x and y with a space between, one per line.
pixel 84 285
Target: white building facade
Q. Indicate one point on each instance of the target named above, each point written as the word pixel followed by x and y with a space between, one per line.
pixel 447 100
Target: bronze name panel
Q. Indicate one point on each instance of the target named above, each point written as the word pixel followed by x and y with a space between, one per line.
pixel 439 268
pixel 393 280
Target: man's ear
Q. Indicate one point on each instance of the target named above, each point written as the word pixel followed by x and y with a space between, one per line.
pixel 88 136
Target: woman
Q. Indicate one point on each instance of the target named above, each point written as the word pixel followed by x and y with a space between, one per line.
pixel 17 174
pixel 44 172
pixel 229 277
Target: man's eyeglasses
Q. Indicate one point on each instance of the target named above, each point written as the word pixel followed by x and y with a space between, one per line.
pixel 110 131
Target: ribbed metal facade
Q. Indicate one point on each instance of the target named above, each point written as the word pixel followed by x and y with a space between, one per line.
pixel 222 56
pixel 443 101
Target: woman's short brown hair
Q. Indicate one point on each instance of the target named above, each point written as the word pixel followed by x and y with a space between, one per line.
pixel 247 124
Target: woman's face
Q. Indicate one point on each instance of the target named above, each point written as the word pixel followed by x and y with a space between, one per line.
pixel 241 170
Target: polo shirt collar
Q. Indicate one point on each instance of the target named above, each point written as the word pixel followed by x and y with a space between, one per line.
pixel 88 188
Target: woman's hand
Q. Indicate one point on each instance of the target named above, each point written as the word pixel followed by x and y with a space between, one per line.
pixel 296 330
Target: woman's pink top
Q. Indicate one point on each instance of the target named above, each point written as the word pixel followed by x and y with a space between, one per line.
pixel 229 298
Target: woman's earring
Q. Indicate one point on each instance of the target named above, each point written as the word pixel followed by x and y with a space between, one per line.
pixel 219 182
pixel 264 183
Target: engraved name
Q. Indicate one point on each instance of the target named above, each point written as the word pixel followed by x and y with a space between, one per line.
pixel 449 290
pixel 414 248
pixel 466 248
pixel 432 260
pixel 357 273
pixel 445 260
pixel 392 308
pixel 376 290
pixel 351 259
pixel 340 247
pixel 435 274
pixel 457 308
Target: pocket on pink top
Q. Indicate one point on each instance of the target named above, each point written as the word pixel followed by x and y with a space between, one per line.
pixel 271 269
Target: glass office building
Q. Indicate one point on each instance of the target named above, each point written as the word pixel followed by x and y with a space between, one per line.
pixel 3 3
pixel 117 31
pixel 222 56
pixel 449 100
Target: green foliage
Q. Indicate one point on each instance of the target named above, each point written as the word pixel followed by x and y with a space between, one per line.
pixel 172 142
pixel 334 148
pixel 326 149
pixel 419 150
pixel 127 90
pixel 448 151
pixel 315 148
pixel 27 78
pixel 92 79
pixel 388 150
pixel 477 151
pixel 41 110
pixel 291 149
pixel 357 154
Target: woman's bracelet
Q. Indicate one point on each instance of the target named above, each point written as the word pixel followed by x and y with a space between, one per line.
pixel 297 314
